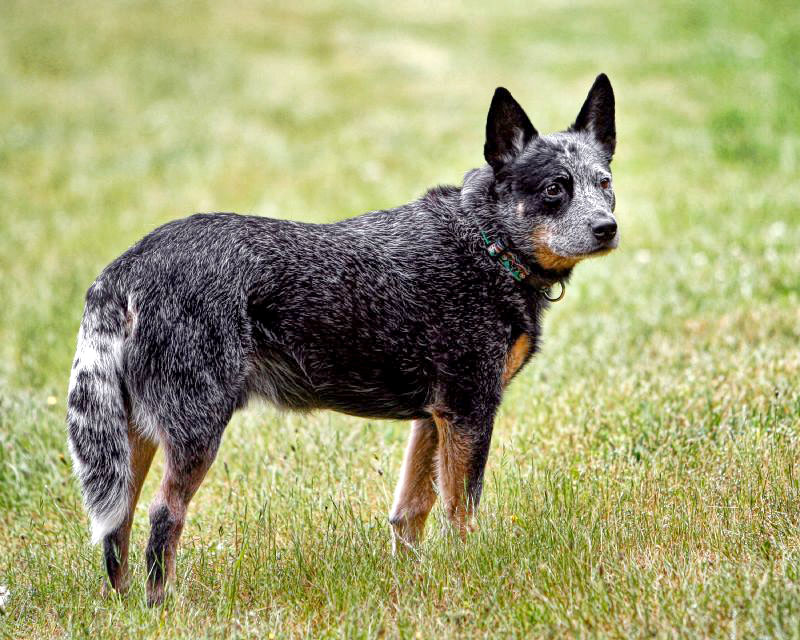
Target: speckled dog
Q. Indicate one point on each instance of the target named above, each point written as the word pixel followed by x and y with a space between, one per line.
pixel 423 312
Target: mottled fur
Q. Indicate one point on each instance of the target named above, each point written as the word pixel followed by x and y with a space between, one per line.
pixel 393 314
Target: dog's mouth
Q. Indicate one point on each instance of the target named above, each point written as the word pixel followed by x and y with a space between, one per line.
pixel 610 245
pixel 551 258
pixel 601 251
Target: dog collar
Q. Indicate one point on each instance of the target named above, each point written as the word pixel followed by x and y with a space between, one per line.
pixel 507 258
pixel 512 263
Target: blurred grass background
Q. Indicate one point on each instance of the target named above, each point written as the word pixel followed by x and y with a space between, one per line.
pixel 643 479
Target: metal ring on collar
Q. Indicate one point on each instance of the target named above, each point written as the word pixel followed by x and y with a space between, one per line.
pixel 546 292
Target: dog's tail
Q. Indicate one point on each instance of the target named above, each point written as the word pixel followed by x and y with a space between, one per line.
pixel 97 412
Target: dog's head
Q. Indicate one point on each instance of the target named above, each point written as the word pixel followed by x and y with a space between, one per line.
pixel 555 192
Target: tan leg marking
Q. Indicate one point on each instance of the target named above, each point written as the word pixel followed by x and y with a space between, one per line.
pixel 175 492
pixel 415 494
pixel 455 450
pixel 142 452
pixel 516 357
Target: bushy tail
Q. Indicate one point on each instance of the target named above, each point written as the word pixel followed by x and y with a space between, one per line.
pixel 97 417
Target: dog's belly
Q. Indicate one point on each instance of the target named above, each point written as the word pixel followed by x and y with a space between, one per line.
pixel 371 388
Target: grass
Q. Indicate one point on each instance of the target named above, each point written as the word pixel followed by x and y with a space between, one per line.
pixel 644 477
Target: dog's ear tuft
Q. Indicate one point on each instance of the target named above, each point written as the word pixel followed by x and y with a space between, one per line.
pixel 508 130
pixel 597 115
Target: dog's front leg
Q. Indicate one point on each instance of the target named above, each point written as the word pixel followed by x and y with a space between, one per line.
pixel 415 493
pixel 462 452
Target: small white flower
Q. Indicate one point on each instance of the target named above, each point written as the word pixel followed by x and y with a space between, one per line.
pixel 5 596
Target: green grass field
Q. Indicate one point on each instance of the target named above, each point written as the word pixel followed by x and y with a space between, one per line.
pixel 644 477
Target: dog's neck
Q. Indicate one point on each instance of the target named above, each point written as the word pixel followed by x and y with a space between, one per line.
pixel 480 208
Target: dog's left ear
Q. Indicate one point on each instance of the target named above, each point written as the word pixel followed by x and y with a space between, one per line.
pixel 597 115
pixel 508 130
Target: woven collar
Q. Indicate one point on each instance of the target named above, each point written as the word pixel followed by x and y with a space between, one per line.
pixel 506 257
pixel 518 270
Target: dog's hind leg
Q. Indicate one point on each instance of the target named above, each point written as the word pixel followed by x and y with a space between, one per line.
pixel 185 469
pixel 116 543
pixel 463 449
pixel 415 493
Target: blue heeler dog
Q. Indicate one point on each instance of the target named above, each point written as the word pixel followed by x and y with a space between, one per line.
pixel 424 312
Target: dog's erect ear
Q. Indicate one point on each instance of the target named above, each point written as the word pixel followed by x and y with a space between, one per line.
pixel 508 130
pixel 597 115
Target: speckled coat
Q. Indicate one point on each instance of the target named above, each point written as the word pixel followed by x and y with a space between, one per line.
pixel 397 314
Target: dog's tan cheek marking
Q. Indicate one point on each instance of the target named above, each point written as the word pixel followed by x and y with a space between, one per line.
pixel 545 257
pixel 550 260
pixel 516 357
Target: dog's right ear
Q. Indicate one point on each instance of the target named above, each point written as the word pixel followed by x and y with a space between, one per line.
pixel 508 130
pixel 597 115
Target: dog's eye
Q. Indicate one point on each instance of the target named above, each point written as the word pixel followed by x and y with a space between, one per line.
pixel 553 189
pixel 605 183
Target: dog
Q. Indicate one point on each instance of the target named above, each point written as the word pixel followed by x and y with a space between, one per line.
pixel 424 313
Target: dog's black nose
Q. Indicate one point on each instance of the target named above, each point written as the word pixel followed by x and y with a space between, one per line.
pixel 604 228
